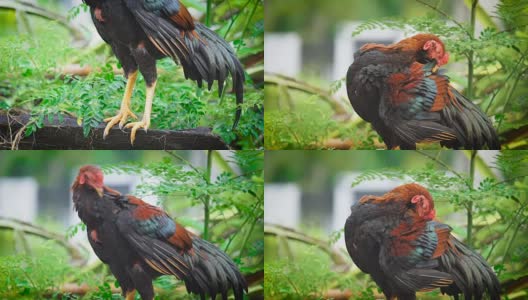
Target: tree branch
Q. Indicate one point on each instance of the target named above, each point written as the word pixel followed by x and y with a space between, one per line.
pixel 28 228
pixel 291 83
pixel 291 234
pixel 445 15
pixel 69 135
pixel 443 164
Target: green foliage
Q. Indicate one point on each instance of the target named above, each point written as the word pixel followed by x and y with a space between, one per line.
pixel 296 129
pixel 105 292
pixel 307 123
pixel 32 277
pixel 72 230
pixel 30 67
pixel 307 277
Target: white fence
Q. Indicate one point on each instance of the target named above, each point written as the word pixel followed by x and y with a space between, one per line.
pixel 283 53
pixel 282 204
pixel 18 198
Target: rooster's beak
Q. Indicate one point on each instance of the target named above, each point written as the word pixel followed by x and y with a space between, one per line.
pixel 435 68
pixel 99 192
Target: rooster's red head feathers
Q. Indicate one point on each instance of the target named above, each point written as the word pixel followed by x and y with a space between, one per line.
pixel 419 196
pixel 428 45
pixel 422 46
pixel 435 49
pixel 411 195
pixel 91 176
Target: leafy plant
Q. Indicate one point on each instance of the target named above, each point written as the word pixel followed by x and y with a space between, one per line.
pixel 304 278
pixel 30 277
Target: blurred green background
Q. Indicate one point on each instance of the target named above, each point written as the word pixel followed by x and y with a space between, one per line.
pixel 318 21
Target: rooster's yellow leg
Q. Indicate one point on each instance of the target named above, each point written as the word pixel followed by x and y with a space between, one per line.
pixel 124 111
pixel 131 295
pixel 145 122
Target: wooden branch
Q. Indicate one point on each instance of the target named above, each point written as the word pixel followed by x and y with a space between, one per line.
pixel 255 278
pixel 292 83
pixel 28 228
pixel 83 289
pixel 338 294
pixel 515 134
pixel 36 10
pixel 281 231
pixel 78 70
pixel 513 285
pixel 253 59
pixel 69 135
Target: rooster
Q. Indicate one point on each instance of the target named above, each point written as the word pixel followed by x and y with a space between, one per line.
pixel 400 91
pixel 140 242
pixel 143 31
pixel 396 240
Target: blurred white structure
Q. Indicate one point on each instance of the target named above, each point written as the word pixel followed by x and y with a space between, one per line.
pixel 18 198
pixel 282 204
pixel 282 53
pixel 461 164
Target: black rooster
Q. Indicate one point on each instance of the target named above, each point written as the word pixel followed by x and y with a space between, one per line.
pixel 396 240
pixel 140 242
pixel 398 89
pixel 143 31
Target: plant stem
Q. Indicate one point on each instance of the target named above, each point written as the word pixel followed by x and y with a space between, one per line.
pixel 208 13
pixel 471 53
pixel 242 225
pixel 178 157
pixel 205 235
pixel 442 13
pixel 209 164
pixel 510 95
pixel 247 22
pixel 517 214
pixel 207 198
pixel 469 206
pixel 246 239
pixel 514 71
pixel 443 164
pixel 234 19
pixel 512 240
pixel 469 92
pixel 469 238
